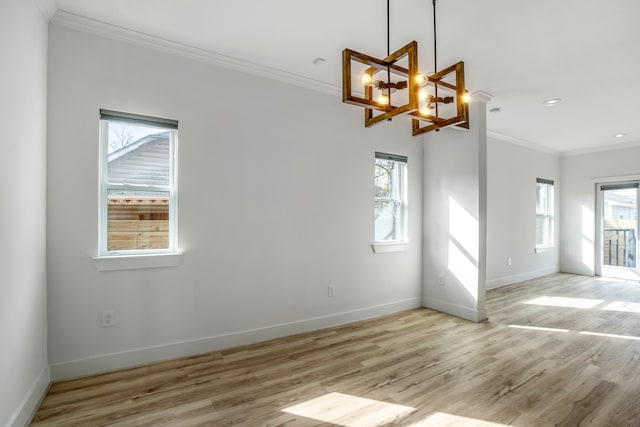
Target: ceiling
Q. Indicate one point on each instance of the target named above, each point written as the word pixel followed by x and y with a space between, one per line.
pixel 583 52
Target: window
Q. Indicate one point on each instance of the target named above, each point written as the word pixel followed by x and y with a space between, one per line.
pixel 138 212
pixel 390 198
pixel 544 213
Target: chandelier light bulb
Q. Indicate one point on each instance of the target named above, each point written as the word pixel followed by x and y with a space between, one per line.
pixel 383 99
pixel 420 80
pixel 423 95
pixel 466 97
pixel 366 79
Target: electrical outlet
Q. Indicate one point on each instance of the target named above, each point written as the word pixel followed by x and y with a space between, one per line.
pixel 331 291
pixel 108 318
pixel 509 262
pixel 441 279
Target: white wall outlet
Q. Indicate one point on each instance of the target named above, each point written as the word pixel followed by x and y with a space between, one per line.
pixel 509 262
pixel 331 291
pixel 108 318
pixel 441 279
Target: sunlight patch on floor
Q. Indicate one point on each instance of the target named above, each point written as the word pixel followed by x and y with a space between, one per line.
pixel 538 328
pixel 565 302
pixel 593 334
pixel 440 419
pixel 629 307
pixel 599 334
pixel 349 411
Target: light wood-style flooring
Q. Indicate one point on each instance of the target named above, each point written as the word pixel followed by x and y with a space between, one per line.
pixel 562 350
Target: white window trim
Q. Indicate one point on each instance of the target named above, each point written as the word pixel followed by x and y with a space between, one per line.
pixel 136 262
pixel 148 258
pixel 543 249
pixel 399 245
pixel 383 248
pixel 549 218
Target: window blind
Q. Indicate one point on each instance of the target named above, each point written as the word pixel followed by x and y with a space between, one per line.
pixel 138 119
pixel 544 181
pixel 620 186
pixel 393 157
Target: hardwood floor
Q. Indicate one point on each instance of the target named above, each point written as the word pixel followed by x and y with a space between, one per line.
pixel 558 351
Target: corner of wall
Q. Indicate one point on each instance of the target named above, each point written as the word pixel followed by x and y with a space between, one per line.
pixel 31 401
pixel 47 8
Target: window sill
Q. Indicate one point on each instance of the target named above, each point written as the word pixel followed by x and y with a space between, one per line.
pixel 135 262
pixel 544 249
pixel 381 248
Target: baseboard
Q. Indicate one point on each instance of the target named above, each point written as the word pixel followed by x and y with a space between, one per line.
pixel 515 278
pixel 580 270
pixel 136 357
pixel 31 401
pixel 455 310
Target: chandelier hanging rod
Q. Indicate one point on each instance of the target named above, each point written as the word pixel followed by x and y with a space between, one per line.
pixel 435 44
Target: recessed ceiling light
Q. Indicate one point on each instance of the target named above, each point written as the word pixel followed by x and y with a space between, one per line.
pixel 619 135
pixel 552 102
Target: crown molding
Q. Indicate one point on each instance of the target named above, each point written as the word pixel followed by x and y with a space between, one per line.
pixel 523 143
pixel 601 148
pixel 84 24
pixel 481 96
pixel 47 8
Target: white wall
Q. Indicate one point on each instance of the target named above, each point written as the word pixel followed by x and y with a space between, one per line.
pixel 455 218
pixel 24 373
pixel 580 173
pixel 511 226
pixel 275 203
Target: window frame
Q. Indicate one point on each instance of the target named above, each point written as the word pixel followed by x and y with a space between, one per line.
pixel 399 243
pixel 547 214
pixel 107 117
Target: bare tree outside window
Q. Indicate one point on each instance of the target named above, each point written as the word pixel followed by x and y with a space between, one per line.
pixel 119 138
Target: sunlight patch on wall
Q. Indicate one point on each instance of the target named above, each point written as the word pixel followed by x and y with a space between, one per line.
pixel 565 302
pixel 349 411
pixel 463 269
pixel 464 228
pixel 588 230
pixel 464 246
pixel 439 419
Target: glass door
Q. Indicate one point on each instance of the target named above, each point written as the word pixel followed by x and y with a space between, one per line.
pixel 619 230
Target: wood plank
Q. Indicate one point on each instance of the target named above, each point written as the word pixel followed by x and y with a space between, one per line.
pixel 530 364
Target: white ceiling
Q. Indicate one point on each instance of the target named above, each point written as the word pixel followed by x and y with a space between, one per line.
pixel 584 52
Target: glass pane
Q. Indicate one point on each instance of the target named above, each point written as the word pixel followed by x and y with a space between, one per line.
pixel 138 154
pixel 619 228
pixel 137 220
pixel 387 221
pixel 387 183
pixel 541 230
pixel 542 202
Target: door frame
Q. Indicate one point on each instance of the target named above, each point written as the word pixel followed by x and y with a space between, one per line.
pixel 634 273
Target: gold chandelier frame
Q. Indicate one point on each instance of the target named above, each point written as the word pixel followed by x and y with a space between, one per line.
pixel 423 107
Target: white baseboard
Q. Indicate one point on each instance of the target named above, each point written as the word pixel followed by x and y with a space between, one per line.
pixel 31 401
pixel 455 310
pixel 136 357
pixel 508 280
pixel 580 270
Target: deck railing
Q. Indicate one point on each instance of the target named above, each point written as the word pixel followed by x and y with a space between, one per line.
pixel 620 247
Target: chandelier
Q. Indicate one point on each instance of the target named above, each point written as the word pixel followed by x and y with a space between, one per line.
pixel 394 86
